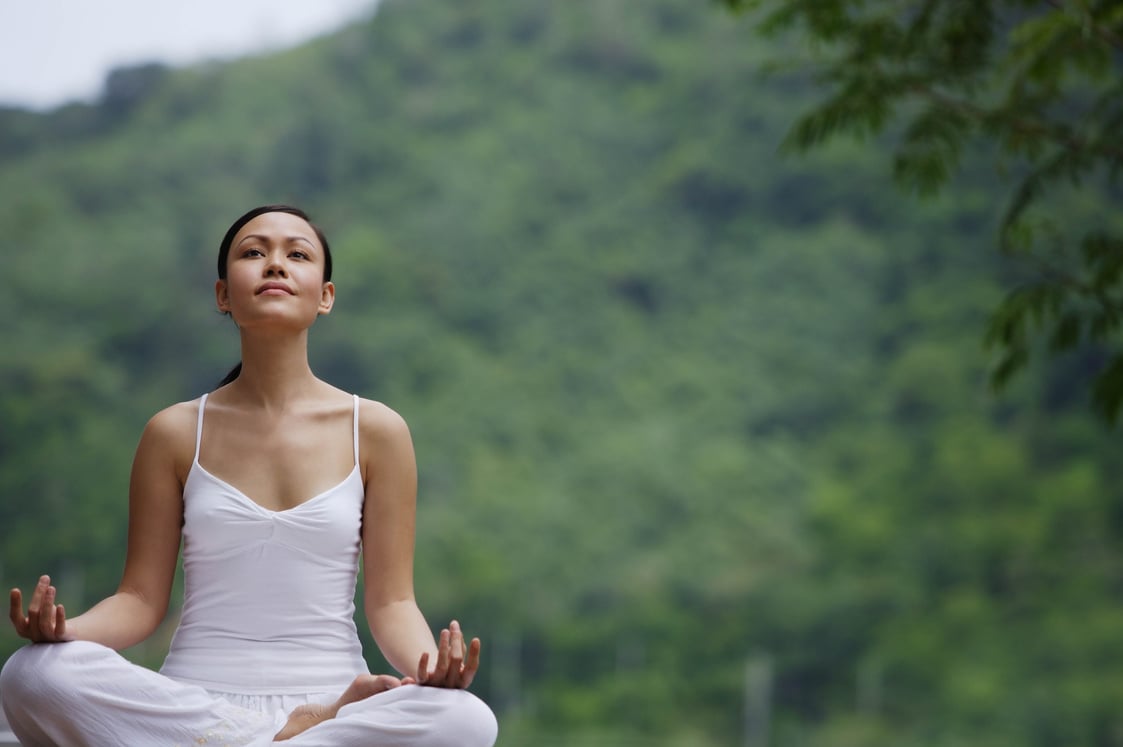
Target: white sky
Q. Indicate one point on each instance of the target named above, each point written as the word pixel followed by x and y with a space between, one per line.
pixel 54 51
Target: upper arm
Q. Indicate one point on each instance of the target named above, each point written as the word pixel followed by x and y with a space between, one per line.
pixel 156 508
pixel 389 506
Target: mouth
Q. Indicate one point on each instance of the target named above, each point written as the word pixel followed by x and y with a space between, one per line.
pixel 273 289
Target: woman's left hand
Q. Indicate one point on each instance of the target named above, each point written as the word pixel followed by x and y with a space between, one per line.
pixel 452 669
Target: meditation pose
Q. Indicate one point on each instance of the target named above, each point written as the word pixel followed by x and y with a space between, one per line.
pixel 276 483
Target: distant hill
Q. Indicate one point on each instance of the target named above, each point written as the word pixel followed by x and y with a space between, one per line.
pixel 684 408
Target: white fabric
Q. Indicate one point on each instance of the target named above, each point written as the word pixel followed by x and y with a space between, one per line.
pixel 82 694
pixel 267 625
pixel 7 738
pixel 268 595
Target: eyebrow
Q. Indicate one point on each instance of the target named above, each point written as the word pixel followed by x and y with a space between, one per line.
pixel 266 239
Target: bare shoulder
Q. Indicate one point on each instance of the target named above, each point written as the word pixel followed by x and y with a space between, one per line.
pixel 378 423
pixel 170 434
pixel 389 466
pixel 175 423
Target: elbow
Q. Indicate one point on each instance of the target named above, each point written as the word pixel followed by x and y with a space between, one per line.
pixel 385 614
pixel 145 612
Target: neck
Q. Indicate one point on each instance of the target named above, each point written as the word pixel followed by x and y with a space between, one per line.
pixel 275 370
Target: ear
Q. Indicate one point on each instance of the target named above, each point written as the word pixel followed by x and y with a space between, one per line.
pixel 221 297
pixel 327 297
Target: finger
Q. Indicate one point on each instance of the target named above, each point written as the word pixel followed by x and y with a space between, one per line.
pixel 441 670
pixel 16 612
pixel 423 668
pixel 47 614
pixel 37 594
pixel 455 656
pixel 35 605
pixel 472 665
pixel 60 623
pixel 455 651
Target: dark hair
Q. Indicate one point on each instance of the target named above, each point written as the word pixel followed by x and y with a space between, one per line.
pixel 236 226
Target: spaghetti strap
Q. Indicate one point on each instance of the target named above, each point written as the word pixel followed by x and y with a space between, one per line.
pixel 355 436
pixel 199 426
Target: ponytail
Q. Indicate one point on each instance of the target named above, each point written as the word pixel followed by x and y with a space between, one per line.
pixel 234 373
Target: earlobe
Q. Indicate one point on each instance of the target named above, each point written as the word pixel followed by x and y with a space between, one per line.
pixel 221 297
pixel 327 297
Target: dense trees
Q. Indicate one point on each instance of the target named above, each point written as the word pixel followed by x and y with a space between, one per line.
pixel 1035 86
pixel 696 425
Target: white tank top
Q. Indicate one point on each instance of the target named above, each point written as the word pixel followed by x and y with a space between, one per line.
pixel 268 604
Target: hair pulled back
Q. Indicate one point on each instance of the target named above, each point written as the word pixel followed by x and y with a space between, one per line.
pixel 238 225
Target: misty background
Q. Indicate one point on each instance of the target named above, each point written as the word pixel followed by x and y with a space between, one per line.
pixel 708 451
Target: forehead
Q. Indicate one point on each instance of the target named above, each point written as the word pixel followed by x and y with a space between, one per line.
pixel 277 226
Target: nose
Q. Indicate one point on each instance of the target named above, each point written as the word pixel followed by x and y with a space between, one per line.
pixel 275 266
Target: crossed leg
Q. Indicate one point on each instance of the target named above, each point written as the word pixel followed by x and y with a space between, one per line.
pixel 79 694
pixel 406 716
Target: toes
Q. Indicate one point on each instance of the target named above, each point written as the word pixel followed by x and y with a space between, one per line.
pixel 385 682
pixel 366 685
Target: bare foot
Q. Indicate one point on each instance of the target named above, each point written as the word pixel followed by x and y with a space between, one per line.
pixel 302 719
pixel 305 717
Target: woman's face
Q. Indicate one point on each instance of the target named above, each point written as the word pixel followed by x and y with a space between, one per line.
pixel 275 274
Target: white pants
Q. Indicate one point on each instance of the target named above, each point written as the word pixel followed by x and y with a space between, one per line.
pixel 83 694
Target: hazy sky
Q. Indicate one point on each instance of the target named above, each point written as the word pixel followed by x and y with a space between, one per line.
pixel 53 51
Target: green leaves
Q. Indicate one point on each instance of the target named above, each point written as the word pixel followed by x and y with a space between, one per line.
pixel 930 148
pixel 1035 87
pixel 1066 312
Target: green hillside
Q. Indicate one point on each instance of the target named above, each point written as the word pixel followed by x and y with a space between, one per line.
pixel 705 439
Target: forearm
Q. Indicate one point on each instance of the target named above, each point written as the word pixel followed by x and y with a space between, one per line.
pixel 402 634
pixel 118 621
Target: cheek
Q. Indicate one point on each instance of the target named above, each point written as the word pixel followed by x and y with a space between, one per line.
pixel 239 285
pixel 235 286
pixel 310 278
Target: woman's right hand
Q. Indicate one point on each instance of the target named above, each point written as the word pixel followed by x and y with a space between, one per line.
pixel 45 621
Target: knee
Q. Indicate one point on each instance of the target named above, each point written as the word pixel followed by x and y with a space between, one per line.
pixel 473 721
pixel 38 671
pixel 18 676
pixel 445 717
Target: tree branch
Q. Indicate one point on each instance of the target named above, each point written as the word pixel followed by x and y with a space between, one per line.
pixel 1103 32
pixel 1026 126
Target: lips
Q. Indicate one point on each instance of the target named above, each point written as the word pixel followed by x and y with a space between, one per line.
pixel 273 289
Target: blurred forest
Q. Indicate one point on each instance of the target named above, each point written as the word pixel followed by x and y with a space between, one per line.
pixel 1041 84
pixel 708 454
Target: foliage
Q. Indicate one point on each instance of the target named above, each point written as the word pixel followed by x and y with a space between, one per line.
pixel 1038 85
pixel 682 409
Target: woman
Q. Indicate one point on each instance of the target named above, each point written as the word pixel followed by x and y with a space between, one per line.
pixel 273 482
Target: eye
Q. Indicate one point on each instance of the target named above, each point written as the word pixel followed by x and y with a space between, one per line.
pixel 252 251
pixel 299 255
